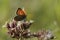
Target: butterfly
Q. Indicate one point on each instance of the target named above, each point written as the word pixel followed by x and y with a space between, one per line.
pixel 21 15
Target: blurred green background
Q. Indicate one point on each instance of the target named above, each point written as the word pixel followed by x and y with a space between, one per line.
pixel 45 13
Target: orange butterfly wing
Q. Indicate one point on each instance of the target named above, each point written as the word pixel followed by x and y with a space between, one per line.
pixel 20 12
